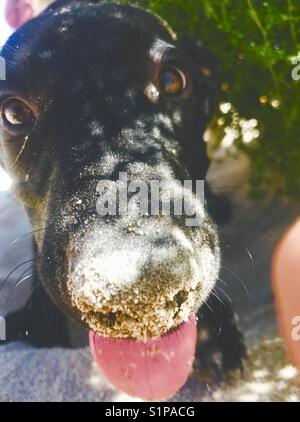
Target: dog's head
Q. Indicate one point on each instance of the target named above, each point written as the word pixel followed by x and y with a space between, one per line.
pixel 92 92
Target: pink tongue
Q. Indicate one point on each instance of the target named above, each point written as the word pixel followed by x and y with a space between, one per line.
pixel 152 370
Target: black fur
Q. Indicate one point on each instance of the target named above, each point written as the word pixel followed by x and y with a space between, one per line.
pixel 74 81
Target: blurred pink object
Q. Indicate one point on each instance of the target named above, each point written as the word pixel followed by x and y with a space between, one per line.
pixel 18 12
pixel 286 286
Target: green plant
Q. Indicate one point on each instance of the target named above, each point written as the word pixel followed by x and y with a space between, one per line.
pixel 257 43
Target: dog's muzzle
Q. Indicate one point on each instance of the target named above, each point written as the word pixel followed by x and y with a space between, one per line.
pixel 140 279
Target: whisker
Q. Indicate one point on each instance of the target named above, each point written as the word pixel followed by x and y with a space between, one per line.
pixel 238 278
pixel 209 307
pixel 14 242
pixel 220 302
pixel 21 151
pixel 269 236
pixel 222 281
pixel 18 283
pixel 249 254
pixel 15 269
pixel 214 293
pixel 19 239
pixel 224 293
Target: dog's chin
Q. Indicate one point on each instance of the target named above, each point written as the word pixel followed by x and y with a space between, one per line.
pixel 152 369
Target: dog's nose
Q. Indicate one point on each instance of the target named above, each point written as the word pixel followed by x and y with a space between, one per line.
pixel 134 284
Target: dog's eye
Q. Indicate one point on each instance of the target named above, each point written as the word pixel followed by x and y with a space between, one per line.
pixel 173 81
pixel 16 114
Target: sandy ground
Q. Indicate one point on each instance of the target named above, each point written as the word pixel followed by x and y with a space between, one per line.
pixel 61 375
pixel 28 374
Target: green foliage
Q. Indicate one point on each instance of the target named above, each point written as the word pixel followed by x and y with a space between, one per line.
pixel 255 42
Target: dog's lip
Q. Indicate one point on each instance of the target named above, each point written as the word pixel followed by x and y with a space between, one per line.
pixel 145 369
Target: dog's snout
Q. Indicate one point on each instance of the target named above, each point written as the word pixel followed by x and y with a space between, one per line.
pixel 140 284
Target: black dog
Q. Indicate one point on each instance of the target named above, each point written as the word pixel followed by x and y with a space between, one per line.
pixel 93 91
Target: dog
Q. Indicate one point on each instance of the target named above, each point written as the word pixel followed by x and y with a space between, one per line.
pixel 94 91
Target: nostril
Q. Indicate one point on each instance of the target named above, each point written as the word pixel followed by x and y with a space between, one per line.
pixel 175 304
pixel 108 319
pixel 111 317
pixel 181 297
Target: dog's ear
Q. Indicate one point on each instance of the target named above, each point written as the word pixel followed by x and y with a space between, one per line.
pixel 206 71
